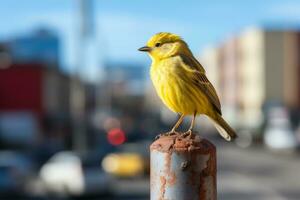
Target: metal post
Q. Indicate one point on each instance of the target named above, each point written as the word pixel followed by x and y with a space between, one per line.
pixel 183 168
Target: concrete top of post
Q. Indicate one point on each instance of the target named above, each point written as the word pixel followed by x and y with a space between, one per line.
pixel 180 142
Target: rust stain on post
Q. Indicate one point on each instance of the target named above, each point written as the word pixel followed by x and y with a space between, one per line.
pixel 163 182
pixel 183 168
pixel 171 177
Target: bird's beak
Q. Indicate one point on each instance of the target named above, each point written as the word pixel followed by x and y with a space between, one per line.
pixel 145 48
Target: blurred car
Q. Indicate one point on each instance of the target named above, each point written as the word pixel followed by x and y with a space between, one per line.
pixel 24 130
pixel 278 133
pixel 123 164
pixel 15 170
pixel 130 160
pixel 63 174
pixel 66 174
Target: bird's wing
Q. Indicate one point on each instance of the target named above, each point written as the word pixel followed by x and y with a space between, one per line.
pixel 199 78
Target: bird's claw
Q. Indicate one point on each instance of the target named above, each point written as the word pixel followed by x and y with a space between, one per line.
pixel 188 133
pixel 171 133
pixel 165 134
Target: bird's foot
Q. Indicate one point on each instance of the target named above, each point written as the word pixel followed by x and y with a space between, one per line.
pixel 188 133
pixel 172 132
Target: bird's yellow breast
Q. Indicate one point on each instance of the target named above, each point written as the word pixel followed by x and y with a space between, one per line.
pixel 174 86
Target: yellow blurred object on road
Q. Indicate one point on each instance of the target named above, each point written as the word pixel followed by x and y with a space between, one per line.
pixel 123 164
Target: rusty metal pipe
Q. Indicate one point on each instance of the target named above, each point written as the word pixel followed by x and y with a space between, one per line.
pixel 183 168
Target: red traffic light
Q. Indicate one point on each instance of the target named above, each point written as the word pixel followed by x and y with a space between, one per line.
pixel 116 136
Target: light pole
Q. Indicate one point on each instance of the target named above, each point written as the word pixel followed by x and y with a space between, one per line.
pixel 78 92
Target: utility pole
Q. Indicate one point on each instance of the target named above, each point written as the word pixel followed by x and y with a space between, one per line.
pixel 78 93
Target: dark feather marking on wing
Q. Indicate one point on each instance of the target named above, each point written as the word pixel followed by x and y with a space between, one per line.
pixel 202 82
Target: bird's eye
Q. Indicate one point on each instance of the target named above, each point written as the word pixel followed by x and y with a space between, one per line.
pixel 157 44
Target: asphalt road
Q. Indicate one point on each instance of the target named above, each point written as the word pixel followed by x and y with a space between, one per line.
pixel 257 173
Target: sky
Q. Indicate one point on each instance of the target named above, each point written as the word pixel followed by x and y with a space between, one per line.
pixel 123 26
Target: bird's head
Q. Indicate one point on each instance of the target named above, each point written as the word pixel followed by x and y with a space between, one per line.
pixel 163 45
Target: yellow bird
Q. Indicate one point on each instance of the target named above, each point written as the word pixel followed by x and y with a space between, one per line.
pixel 181 83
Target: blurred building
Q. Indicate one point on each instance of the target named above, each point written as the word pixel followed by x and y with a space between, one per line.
pixel 123 87
pixel 130 78
pixel 229 78
pixel 5 57
pixel 41 46
pixel 37 96
pixel 252 80
pixel 255 69
pixel 269 70
pixel 33 87
pixel 36 92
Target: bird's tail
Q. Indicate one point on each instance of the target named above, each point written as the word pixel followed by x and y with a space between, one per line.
pixel 223 128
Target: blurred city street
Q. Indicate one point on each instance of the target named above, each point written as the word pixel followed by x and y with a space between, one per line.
pixel 257 173
pixel 78 111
